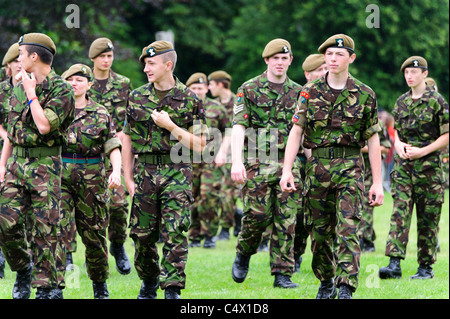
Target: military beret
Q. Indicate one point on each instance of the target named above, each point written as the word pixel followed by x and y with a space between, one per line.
pixel 312 62
pixel 11 54
pixel 100 46
pixel 219 75
pixel 156 48
pixel 432 83
pixel 78 69
pixel 276 46
pixel 197 78
pixel 414 61
pixel 338 41
pixel 38 39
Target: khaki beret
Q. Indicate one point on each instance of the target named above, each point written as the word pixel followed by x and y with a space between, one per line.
pixel 276 46
pixel 219 75
pixel 99 46
pixel 337 41
pixel 11 54
pixel 197 78
pixel 78 69
pixel 156 48
pixel 414 61
pixel 432 83
pixel 312 62
pixel 38 39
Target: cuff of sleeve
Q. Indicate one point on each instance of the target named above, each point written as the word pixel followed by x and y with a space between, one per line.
pixel 374 129
pixel 111 144
pixel 444 128
pixel 52 118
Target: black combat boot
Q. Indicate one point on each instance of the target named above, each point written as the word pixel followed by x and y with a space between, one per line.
pixel 327 290
pixel 123 264
pixel 393 270
pixel 345 292
pixel 49 293
pixel 283 281
pixel 148 289
pixel 237 221
pixel 224 234
pixel 69 262
pixel 172 293
pixel 195 243
pixel 2 264
pixel 22 286
pixel 240 267
pixel 423 272
pixel 209 242
pixel 298 263
pixel 100 290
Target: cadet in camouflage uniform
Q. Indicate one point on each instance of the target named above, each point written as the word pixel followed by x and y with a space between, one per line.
pixel 422 125
pixel 314 67
pixel 84 186
pixel 12 67
pixel 163 118
pixel 111 90
pixel 337 114
pixel 219 87
pixel 42 109
pixel 263 106
pixel 366 231
pixel 208 178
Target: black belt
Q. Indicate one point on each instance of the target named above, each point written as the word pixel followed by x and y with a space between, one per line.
pixel 155 159
pixel 333 152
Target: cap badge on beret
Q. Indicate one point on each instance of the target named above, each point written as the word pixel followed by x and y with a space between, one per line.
pixel 415 63
pixel 200 80
pixel 21 39
pixel 340 42
pixel 285 49
pixel 84 70
pixel 151 51
pixel 110 45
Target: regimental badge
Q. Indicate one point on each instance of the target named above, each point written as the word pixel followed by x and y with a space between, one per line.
pixel 415 63
pixel 240 96
pixel 303 97
pixel 151 51
pixel 295 118
pixel 20 39
pixel 110 45
pixel 83 69
pixel 340 42
pixel 285 49
pixel 200 80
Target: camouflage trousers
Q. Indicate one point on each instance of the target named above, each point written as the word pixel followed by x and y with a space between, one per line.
pixel 231 193
pixel 420 183
pixel 161 205
pixel 84 208
pixel 366 230
pixel 333 202
pixel 118 210
pixel 301 234
pixel 30 202
pixel 265 205
pixel 208 201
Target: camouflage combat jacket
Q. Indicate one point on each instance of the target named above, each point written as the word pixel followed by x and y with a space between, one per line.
pixel 58 102
pixel 350 121
pixel 5 93
pixel 259 106
pixel 92 132
pixel 3 75
pixel 114 97
pixel 420 123
pixel 183 106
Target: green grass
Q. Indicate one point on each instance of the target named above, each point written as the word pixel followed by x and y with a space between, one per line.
pixel 209 272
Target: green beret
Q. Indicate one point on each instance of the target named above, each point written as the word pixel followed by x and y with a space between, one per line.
pixel 197 78
pixel 78 69
pixel 276 46
pixel 156 48
pixel 39 39
pixel 11 54
pixel 100 46
pixel 338 41
pixel 414 62
pixel 312 62
pixel 219 75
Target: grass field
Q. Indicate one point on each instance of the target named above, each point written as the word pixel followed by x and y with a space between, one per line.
pixel 209 272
